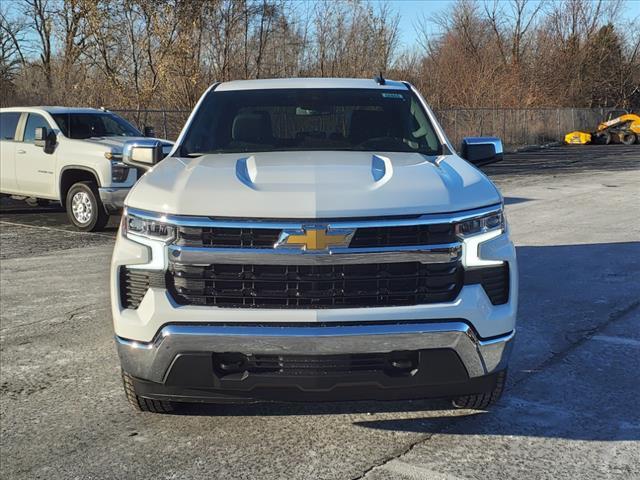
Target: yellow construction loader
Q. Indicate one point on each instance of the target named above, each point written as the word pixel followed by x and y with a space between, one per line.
pixel 619 126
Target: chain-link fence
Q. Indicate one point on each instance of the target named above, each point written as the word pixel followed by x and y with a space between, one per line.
pixel 516 127
pixel 166 123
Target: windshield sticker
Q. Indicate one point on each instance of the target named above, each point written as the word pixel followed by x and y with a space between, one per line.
pixel 393 95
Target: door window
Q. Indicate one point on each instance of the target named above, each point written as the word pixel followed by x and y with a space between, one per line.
pixel 33 121
pixel 8 124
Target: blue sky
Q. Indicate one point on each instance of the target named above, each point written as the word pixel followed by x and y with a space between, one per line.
pixel 411 10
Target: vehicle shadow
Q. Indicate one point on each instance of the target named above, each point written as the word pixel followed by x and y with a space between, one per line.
pixel 568 159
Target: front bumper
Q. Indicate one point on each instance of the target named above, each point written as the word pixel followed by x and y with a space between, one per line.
pixel 113 197
pixel 180 362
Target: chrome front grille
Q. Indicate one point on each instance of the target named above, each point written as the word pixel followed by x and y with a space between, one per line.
pixel 297 264
pixel 365 237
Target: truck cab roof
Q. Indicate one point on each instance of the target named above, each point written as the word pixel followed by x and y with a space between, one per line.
pixel 53 109
pixel 280 83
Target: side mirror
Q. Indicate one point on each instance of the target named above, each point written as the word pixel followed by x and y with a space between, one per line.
pixel 45 138
pixel 482 150
pixel 149 131
pixel 145 153
pixel 40 136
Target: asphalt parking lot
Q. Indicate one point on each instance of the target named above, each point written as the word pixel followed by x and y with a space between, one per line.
pixel 571 410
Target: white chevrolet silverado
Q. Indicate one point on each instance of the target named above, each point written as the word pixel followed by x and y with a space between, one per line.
pixel 72 155
pixel 313 240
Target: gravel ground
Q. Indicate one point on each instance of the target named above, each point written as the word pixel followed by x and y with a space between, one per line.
pixel 571 409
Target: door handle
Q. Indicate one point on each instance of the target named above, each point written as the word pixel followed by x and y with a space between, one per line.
pixel 21 151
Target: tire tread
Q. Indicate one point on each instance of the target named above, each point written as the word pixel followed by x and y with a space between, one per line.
pixel 142 404
pixel 481 401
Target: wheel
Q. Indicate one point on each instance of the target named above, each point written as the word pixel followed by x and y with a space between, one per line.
pixel 627 138
pixel 84 208
pixel 602 138
pixel 143 404
pixel 480 401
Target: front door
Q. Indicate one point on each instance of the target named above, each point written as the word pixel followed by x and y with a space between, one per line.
pixel 35 168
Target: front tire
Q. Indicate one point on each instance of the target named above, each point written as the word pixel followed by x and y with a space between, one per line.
pixel 481 401
pixel 143 404
pixel 84 208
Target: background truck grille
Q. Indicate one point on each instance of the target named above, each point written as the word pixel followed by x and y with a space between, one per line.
pixel 323 286
pixel 223 237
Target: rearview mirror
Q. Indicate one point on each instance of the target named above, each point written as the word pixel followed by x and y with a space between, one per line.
pixel 149 131
pixel 145 153
pixel 482 150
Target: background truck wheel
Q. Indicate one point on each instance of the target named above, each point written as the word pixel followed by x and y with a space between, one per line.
pixel 627 138
pixel 84 208
pixel 143 404
pixel 481 401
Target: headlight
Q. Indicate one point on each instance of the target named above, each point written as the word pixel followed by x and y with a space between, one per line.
pixel 476 226
pixel 156 229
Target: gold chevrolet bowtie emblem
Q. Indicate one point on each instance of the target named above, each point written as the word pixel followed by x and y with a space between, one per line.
pixel 314 238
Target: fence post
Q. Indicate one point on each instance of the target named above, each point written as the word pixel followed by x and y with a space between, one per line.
pixel 455 126
pixel 559 134
pixel 164 123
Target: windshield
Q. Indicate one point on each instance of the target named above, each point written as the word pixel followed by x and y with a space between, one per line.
pixel 87 125
pixel 310 119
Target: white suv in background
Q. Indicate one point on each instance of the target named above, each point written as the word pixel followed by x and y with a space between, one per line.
pixel 72 155
pixel 311 240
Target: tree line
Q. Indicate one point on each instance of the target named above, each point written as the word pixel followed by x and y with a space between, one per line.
pixel 164 53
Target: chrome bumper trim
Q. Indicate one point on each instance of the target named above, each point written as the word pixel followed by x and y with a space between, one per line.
pixel 151 360
pixel 200 221
pixel 113 197
pixel 335 256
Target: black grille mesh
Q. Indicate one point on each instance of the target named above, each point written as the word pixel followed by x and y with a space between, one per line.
pixel 494 280
pixel 222 237
pixel 317 286
pixel 404 236
pixel 135 283
pixel 227 237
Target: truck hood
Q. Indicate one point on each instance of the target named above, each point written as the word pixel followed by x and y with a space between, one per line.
pixel 114 144
pixel 312 185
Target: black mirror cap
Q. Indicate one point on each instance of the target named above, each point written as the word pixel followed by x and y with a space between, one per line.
pixel 149 131
pixel 482 150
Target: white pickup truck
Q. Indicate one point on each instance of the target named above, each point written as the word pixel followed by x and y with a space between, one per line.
pixel 72 155
pixel 312 240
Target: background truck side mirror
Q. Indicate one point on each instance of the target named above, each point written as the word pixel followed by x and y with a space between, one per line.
pixel 45 138
pixel 145 153
pixel 149 131
pixel 482 150
pixel 40 136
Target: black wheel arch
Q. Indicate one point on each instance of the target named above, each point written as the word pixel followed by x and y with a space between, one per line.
pixel 71 174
